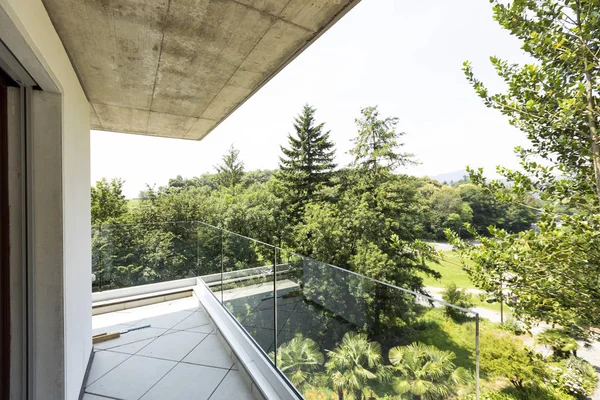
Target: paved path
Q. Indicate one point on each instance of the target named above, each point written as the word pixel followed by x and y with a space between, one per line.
pixel 441 246
pixel 494 316
pixel 591 355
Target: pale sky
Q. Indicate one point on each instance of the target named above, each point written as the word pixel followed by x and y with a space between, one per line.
pixel 405 56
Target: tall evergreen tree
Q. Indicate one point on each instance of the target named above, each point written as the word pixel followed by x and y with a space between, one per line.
pixel 307 163
pixel 376 147
pixel 231 171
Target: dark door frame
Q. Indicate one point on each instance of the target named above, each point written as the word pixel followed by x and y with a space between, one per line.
pixel 5 288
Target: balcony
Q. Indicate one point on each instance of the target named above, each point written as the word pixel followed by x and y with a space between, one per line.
pixel 271 320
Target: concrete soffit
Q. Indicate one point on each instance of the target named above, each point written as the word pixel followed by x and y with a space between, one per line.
pixel 178 68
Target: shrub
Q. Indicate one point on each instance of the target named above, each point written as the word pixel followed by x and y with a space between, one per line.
pixel 458 297
pixel 536 392
pixel 573 376
pixel 503 356
pixel 527 393
pixel 561 343
pixel 489 396
pixel 513 326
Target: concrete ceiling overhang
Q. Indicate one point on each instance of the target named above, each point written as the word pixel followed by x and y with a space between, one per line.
pixel 177 68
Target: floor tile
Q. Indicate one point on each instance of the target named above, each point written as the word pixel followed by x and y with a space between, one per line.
pixel 173 346
pixel 203 329
pixel 111 328
pixel 166 321
pixel 211 351
pixel 131 337
pixel 132 378
pixel 88 396
pixel 103 362
pixel 233 387
pixel 131 348
pixel 187 381
pixel 113 318
pixel 194 320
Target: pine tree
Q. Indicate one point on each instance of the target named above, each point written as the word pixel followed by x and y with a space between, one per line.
pixel 232 169
pixel 307 163
pixel 376 147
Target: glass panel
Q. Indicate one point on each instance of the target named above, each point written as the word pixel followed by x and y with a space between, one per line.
pixel 329 317
pixel 311 318
pixel 139 254
pixel 98 257
pixel 248 286
pixel 209 256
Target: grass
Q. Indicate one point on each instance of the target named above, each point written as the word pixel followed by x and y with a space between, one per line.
pixel 450 267
pixel 492 306
pixel 132 203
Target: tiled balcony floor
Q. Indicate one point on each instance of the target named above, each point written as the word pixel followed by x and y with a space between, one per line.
pixel 179 356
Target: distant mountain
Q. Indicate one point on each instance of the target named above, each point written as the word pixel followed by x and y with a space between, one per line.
pixel 454 176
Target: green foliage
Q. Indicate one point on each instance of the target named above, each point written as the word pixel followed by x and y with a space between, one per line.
pixel 108 201
pixel 559 341
pixel 555 274
pixel 530 393
pixel 502 356
pixel 374 231
pixel 457 297
pixel 298 358
pixel 512 325
pixel 307 163
pixel 425 371
pixel 231 172
pixel 451 207
pixel 489 396
pixel 353 363
pixel 573 376
pixel 376 147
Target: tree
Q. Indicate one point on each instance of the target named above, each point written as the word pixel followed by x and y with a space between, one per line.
pixel 457 297
pixel 425 372
pixel 353 363
pixel 448 210
pixel 554 102
pixel 108 201
pixel 307 163
pixel 376 147
pixel 298 358
pixel 231 171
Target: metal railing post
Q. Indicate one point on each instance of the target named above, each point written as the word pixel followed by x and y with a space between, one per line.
pixel 221 266
pixel 197 250
pixel 275 304
pixel 477 356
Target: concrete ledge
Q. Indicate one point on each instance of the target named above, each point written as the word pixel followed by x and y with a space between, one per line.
pixel 152 288
pixel 244 274
pixel 261 372
pixel 108 306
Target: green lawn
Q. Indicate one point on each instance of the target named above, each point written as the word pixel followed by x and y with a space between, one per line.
pixel 132 203
pixel 451 269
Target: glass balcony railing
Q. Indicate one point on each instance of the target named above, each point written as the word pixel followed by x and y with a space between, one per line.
pixel 332 332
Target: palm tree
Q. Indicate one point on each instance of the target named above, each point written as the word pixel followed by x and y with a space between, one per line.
pixel 353 363
pixel 425 372
pixel 297 358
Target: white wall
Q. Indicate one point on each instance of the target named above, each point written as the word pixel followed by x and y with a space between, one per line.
pixel 40 50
